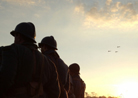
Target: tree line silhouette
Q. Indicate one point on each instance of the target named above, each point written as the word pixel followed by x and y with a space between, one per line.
pixel 94 95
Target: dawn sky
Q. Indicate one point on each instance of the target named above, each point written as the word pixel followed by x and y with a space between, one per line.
pixel 88 32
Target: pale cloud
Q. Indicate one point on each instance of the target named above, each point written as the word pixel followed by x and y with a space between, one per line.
pixel 111 15
pixel 108 2
pixel 71 1
pixel 115 7
pixel 24 2
pixel 41 13
pixel 79 9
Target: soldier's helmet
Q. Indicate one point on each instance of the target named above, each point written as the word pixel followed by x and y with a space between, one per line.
pixel 50 41
pixel 75 68
pixel 26 29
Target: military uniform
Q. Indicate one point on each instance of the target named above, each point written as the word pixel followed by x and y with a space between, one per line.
pixel 17 71
pixel 48 46
pixel 71 90
pixel 0 55
pixel 78 84
pixel 62 71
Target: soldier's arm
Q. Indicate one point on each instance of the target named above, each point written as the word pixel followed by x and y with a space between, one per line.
pixel 8 69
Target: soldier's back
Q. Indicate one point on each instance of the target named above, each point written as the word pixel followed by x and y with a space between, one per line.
pixel 21 64
pixel 62 70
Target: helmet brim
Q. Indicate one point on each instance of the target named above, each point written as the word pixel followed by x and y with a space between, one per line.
pixel 13 34
pixel 40 44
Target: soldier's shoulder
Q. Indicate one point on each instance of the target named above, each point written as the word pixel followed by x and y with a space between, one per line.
pixel 13 47
pixel 62 63
pixel 5 48
pixel 18 47
pixel 60 60
pixel 1 48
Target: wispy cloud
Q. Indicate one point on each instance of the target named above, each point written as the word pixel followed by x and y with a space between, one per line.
pixel 112 14
pixel 79 9
pixel 70 1
pixel 24 2
pixel 108 2
pixel 24 8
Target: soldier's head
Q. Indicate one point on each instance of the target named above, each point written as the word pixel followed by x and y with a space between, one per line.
pixel 48 43
pixel 74 69
pixel 24 32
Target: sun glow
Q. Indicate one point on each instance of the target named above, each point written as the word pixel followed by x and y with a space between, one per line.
pixel 128 89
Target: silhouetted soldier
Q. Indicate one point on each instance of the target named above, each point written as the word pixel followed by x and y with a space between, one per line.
pixel 0 55
pixel 24 70
pixel 48 47
pixel 78 84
